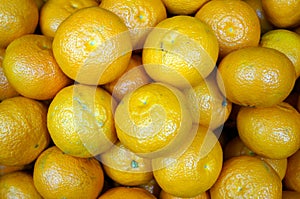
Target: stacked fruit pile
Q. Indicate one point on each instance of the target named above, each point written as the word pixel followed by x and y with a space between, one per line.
pixel 149 99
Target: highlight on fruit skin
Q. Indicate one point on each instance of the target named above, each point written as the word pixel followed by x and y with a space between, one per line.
pixel 250 79
pixel 80 120
pixel 180 51
pixel 153 120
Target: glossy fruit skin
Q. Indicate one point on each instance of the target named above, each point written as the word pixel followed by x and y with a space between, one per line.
pixel 236 147
pixel 180 51
pixel 198 166
pixel 18 18
pixel 208 106
pixel 272 132
pixel 153 120
pixel 94 51
pixel 165 195
pixel 126 193
pixel 265 25
pixel 54 12
pixel 80 120
pixel 58 175
pixel 285 41
pixel 247 177
pixel 291 179
pixel 23 130
pixel 282 14
pixel 6 89
pixel 183 7
pixel 139 17
pixel 18 184
pixel 125 167
pixel 134 77
pixel 234 23
pixel 31 69
pixel 249 79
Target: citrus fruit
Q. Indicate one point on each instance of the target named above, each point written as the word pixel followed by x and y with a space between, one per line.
pixel 183 7
pixel 236 147
pixel 59 175
pixel 23 130
pixel 287 42
pixel 134 77
pixel 138 15
pixel 54 12
pixel 153 120
pixel 125 167
pixel 180 51
pixel 197 168
pixel 80 120
pixel 235 24
pixel 31 69
pixel 18 17
pixel 247 177
pixel 271 132
pixel 165 195
pixel 292 176
pixel 127 193
pixel 256 76
pixel 265 25
pixel 207 104
pixel 152 187
pixel 290 195
pixel 18 184
pixel 6 89
pixel 94 51
pixel 282 14
pixel 4 169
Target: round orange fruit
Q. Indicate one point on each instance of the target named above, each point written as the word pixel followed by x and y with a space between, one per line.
pixel 207 104
pixel 236 147
pixel 282 14
pixel 247 177
pixel 18 184
pixel 93 51
pixel 180 51
pixel 125 167
pixel 6 89
pixel 134 77
pixel 18 17
pixel 138 15
pixel 153 120
pixel 80 120
pixel 292 179
pixel 256 76
pixel 4 169
pixel 23 130
pixel 127 193
pixel 235 24
pixel 183 7
pixel 59 175
pixel 31 69
pixel 54 12
pixel 165 195
pixel 195 170
pixel 265 25
pixel 287 42
pixel 271 132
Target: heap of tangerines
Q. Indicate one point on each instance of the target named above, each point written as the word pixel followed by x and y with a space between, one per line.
pixel 149 99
